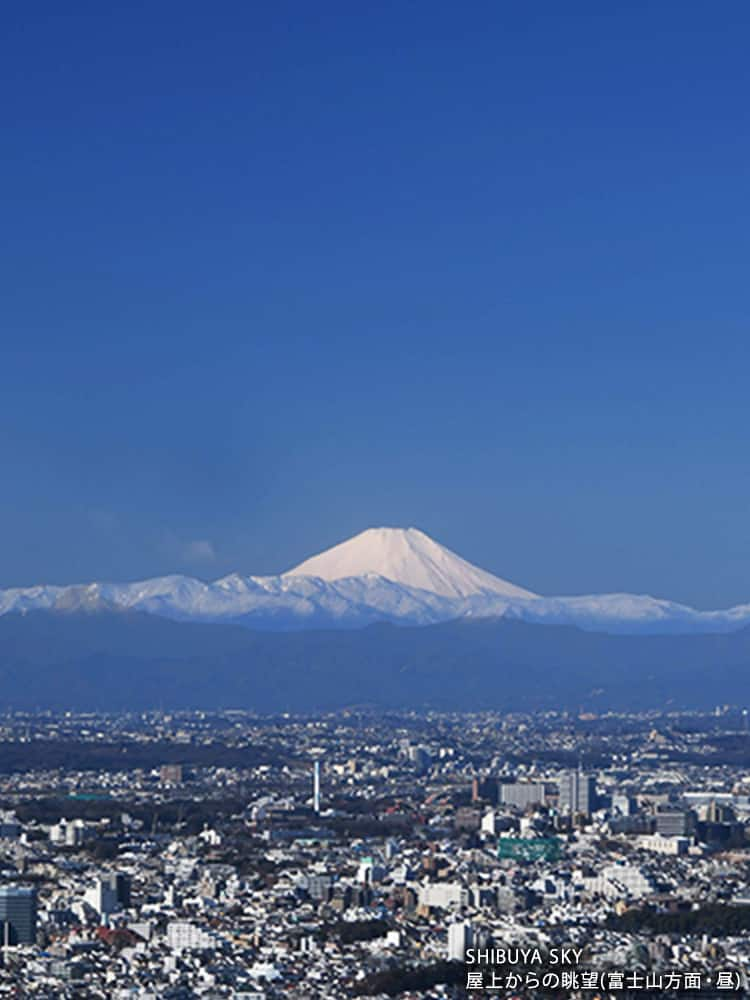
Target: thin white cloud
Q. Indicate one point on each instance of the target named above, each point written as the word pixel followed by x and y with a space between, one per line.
pixel 199 550
pixel 191 552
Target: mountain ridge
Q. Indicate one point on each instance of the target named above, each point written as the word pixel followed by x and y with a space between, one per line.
pixel 451 589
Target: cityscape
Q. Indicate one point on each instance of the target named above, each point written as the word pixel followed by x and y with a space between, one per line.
pixel 198 854
pixel 374 547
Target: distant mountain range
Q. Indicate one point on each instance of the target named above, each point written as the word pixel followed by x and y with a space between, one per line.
pixel 381 575
pixel 389 618
pixel 129 661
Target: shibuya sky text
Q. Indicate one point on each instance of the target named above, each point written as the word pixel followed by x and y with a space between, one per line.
pixel 523 956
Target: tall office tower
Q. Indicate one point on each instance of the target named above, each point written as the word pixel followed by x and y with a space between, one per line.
pixel 120 885
pixel 316 786
pixel 577 793
pixel 109 893
pixel 102 897
pixel 460 937
pixel 17 914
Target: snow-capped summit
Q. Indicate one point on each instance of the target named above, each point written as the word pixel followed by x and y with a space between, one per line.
pixel 409 557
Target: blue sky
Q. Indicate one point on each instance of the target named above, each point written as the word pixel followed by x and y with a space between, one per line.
pixel 274 273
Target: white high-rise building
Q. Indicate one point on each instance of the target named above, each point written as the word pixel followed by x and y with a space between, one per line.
pixel 522 794
pixel 460 937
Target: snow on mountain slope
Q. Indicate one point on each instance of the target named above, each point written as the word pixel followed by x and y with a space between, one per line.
pixel 409 557
pixel 264 602
pixel 384 574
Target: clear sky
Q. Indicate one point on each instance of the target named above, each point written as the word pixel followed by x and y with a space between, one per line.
pixel 276 272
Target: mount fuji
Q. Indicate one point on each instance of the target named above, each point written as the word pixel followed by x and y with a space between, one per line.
pixel 410 558
pixel 395 575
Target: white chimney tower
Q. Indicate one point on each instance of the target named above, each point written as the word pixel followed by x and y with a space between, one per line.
pixel 316 786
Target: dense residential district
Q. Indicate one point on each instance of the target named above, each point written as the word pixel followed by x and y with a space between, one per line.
pixel 182 855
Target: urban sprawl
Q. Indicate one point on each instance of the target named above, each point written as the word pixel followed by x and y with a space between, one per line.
pixel 191 854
